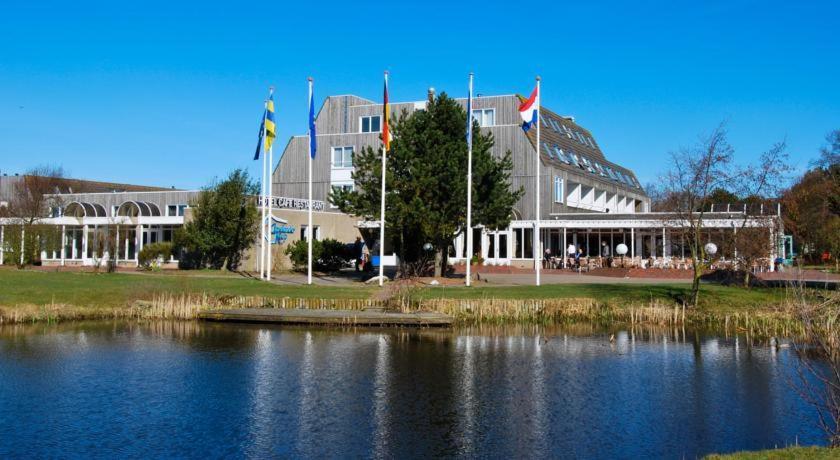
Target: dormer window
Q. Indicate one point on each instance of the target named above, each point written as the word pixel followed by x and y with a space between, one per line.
pixel 371 124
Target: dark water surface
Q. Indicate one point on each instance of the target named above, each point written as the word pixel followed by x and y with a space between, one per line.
pixel 185 389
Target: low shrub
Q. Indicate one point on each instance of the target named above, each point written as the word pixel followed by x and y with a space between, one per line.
pixel 328 255
pixel 153 254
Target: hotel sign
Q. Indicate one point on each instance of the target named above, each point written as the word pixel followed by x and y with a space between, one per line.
pixel 292 203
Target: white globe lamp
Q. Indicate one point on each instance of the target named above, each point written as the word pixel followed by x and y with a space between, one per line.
pixel 621 250
pixel 711 249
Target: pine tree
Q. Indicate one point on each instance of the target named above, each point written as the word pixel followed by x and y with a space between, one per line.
pixel 426 190
pixel 224 224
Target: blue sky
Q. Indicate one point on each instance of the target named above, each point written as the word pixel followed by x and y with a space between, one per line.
pixel 170 93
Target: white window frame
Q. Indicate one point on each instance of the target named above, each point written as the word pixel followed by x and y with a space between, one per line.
pixel 371 117
pixel 343 148
pixel 481 116
pixel 559 187
pixel 316 233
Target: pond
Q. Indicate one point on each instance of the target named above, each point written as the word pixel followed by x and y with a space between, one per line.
pixel 191 389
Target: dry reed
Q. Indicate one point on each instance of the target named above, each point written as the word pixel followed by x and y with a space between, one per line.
pixel 760 322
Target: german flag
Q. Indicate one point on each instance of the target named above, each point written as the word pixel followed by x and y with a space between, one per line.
pixel 386 114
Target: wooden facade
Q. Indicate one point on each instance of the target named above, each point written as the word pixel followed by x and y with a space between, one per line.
pixel 338 124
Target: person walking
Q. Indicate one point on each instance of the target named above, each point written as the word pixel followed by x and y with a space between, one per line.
pixel 357 252
pixel 365 258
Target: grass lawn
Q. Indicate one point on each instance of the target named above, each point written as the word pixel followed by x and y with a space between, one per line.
pixel 712 297
pixel 115 289
pixel 791 453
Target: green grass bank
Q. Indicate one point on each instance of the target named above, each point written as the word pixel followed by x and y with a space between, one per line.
pixel 29 295
pixel 790 453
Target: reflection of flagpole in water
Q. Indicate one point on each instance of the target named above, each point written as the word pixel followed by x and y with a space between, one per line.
pixel 465 370
pixel 263 394
pixel 381 383
pixel 540 398
pixel 308 396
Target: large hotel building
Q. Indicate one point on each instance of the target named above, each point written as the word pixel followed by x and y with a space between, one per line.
pixel 585 199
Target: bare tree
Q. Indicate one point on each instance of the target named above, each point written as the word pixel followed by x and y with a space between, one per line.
pixel 32 199
pixel 818 349
pixel 104 241
pixel 695 178
pixel 693 174
pixel 758 229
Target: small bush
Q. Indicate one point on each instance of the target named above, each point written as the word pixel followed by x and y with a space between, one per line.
pixel 151 254
pixel 329 255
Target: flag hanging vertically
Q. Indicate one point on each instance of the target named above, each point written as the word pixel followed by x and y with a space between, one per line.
pixel 260 137
pixel 469 113
pixel 269 121
pixel 386 143
pixel 529 110
pixel 469 232
pixel 313 147
pixel 312 150
pixel 386 115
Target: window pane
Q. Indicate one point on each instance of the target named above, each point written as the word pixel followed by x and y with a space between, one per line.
pixel 348 157
pixel 336 156
pixel 528 243
pixel 489 118
pixel 365 124
pixel 374 121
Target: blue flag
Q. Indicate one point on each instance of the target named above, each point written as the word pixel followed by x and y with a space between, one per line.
pixel 312 143
pixel 469 116
pixel 260 138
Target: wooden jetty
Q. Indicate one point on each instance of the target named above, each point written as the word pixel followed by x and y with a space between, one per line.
pixel 328 317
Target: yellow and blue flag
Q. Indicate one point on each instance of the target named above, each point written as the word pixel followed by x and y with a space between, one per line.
pixel 267 127
pixel 269 122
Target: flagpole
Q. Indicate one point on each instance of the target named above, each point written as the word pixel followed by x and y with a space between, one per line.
pixel 309 225
pixel 270 194
pixel 469 183
pixel 262 204
pixel 537 248
pixel 382 201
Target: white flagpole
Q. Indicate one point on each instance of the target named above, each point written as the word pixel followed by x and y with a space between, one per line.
pixel 262 204
pixel 537 248
pixel 268 174
pixel 382 202
pixel 309 226
pixel 469 185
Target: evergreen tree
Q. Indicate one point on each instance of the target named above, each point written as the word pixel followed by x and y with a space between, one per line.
pixel 224 223
pixel 426 190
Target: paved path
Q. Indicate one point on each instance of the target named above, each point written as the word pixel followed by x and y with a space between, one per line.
pixel 512 279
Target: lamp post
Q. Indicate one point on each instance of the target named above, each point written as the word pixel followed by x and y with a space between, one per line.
pixel 621 250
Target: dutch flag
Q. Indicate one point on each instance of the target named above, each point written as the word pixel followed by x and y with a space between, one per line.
pixel 529 110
